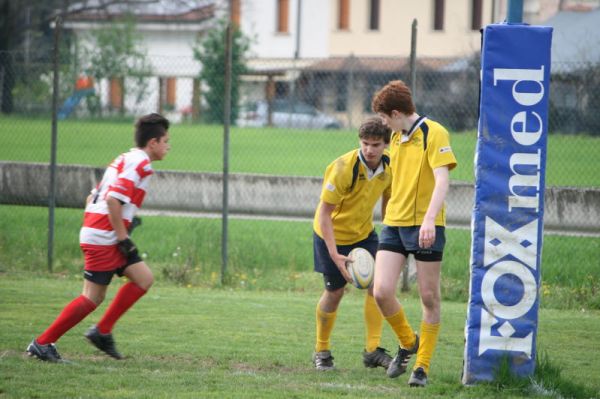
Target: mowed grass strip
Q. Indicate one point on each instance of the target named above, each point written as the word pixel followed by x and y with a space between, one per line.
pixel 200 342
pixel 571 159
pixel 271 255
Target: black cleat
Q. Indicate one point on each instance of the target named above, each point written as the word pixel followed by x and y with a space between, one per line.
pixel 400 361
pixel 47 353
pixel 104 342
pixel 323 361
pixel 378 358
pixel 418 378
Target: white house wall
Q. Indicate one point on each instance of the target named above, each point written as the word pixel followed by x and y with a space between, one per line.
pixel 149 103
pixel 393 38
pixel 170 54
pixel 258 20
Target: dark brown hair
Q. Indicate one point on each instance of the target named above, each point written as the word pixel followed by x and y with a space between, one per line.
pixel 393 96
pixel 374 128
pixel 148 127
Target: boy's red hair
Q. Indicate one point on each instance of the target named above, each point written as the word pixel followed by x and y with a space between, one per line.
pixel 393 96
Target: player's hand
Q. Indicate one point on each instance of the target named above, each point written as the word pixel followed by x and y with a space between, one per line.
pixel 341 261
pixel 427 234
pixel 127 248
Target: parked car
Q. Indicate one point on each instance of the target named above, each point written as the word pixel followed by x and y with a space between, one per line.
pixel 286 113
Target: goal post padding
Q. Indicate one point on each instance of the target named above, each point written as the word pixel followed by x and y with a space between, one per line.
pixel 507 221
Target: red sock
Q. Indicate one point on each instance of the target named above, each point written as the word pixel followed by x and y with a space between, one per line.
pixel 125 298
pixel 70 316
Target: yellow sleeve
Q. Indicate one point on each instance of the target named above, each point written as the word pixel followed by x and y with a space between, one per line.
pixel 387 192
pixel 336 182
pixel 440 151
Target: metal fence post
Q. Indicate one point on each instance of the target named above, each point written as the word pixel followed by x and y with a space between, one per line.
pixel 413 89
pixel 227 121
pixel 413 60
pixel 52 188
pixel 515 11
pixel 350 88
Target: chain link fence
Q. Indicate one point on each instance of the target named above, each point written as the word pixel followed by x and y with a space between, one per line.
pixel 292 117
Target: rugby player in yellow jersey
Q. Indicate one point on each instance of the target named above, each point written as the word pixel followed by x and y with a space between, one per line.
pixel 352 185
pixel 420 160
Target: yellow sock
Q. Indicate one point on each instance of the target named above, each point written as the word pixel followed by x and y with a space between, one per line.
pixel 373 324
pixel 403 331
pixel 325 322
pixel 427 342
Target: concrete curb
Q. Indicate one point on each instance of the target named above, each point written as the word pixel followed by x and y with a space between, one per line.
pixel 567 209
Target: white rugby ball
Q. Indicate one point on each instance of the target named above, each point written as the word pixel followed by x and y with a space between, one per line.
pixel 362 268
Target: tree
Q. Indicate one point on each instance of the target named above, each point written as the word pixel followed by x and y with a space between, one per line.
pixel 116 52
pixel 210 51
pixel 7 38
pixel 26 24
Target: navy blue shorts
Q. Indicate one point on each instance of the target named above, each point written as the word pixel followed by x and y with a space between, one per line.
pixel 332 277
pixel 105 277
pixel 405 240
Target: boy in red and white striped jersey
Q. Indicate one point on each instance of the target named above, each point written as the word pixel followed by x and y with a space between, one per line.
pixel 105 242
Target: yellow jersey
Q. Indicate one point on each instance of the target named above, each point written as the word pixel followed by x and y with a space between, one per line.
pixel 413 157
pixel 354 190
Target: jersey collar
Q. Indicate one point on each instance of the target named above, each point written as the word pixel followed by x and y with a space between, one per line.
pixel 408 135
pixel 370 172
pixel 140 149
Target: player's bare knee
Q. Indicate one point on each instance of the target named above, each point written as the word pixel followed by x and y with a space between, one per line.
pixel 150 283
pixel 146 282
pixel 430 300
pixel 381 295
pixel 330 300
pixel 141 275
pixel 335 296
pixel 97 298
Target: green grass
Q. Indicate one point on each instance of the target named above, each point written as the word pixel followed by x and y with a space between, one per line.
pixel 272 255
pixel 571 160
pixel 222 343
pixel 192 337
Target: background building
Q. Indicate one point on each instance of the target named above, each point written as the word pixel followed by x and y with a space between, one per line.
pixel 329 56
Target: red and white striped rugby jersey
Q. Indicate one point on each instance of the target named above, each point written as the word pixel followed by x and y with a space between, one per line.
pixel 125 179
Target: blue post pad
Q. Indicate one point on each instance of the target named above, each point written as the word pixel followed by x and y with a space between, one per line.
pixel 507 221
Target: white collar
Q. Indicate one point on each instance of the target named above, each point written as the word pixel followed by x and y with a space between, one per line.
pixel 140 149
pixel 370 172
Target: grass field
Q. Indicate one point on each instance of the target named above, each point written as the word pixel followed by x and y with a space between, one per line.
pixel 571 160
pixel 200 342
pixel 253 337
pixel 272 255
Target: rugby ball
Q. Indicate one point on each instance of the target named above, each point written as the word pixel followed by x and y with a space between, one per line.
pixel 362 268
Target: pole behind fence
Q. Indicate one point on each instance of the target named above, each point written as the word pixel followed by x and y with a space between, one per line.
pixel 227 120
pixel 413 59
pixel 413 89
pixel 515 11
pixel 53 145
